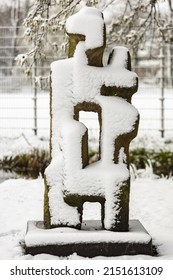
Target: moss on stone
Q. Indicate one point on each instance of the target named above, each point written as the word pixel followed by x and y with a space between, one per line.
pixel 74 39
pixel 84 150
pixel 122 218
pixel 47 222
pixel 123 141
pixel 125 93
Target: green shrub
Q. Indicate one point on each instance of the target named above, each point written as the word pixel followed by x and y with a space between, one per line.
pixel 28 165
pixel 161 161
pixel 139 157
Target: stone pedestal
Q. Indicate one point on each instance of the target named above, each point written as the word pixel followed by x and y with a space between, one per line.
pixel 90 241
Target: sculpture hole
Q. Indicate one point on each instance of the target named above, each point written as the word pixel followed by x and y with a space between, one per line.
pixel 91 121
pixel 92 212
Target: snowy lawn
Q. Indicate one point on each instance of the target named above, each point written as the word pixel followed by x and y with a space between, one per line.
pixel 22 200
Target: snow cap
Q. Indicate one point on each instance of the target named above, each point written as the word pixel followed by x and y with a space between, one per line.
pixel 88 22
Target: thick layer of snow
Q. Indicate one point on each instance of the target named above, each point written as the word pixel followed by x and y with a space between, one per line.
pixel 74 82
pixel 38 236
pixel 94 177
pixel 89 79
pixel 22 200
pixel 87 22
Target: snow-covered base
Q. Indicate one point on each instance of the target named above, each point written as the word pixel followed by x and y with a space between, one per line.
pixel 90 241
pixel 38 236
pixel 22 200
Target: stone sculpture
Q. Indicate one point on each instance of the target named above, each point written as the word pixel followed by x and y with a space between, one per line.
pixel 81 82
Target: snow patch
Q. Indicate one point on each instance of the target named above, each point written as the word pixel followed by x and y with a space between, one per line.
pixel 150 202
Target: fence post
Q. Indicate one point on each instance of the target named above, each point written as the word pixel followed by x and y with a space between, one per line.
pixel 35 98
pixel 162 85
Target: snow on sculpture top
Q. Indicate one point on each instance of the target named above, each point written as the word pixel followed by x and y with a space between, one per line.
pixel 83 23
pixel 81 83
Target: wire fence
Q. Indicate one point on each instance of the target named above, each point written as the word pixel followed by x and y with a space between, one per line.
pixel 25 109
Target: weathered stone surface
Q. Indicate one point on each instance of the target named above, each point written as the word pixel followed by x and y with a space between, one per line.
pixel 122 141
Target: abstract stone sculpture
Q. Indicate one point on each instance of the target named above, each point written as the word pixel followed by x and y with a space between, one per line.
pixel 82 83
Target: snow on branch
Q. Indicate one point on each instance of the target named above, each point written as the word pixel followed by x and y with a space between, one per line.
pixel 129 22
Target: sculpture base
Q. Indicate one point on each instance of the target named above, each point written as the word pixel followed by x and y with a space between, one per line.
pixel 90 241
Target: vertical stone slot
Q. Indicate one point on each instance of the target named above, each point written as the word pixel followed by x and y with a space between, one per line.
pixel 90 120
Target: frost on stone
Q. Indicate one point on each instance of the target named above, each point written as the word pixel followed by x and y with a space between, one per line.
pixel 81 83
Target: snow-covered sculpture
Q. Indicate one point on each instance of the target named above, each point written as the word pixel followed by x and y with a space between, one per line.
pixel 81 82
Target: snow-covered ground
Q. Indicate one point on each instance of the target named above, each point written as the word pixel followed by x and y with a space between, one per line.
pixel 11 146
pixel 22 200
pixel 17 113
